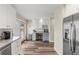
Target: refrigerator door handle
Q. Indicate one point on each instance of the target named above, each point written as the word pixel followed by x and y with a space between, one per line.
pixel 70 40
pixel 70 45
pixel 73 39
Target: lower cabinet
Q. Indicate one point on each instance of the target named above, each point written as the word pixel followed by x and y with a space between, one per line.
pixel 6 50
pixel 16 47
pixel 46 37
pixel 12 49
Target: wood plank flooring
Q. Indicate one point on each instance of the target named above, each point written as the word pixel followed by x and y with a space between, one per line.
pixel 38 48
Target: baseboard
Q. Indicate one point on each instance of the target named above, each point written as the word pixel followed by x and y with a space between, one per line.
pixel 22 41
pixel 58 52
pixel 51 41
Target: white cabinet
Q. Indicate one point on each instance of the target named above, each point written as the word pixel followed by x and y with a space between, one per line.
pixel 46 37
pixel 7 16
pixel 34 36
pixel 16 47
pixel 6 50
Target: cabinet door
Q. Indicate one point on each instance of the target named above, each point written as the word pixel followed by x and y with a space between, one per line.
pixel 6 50
pixel 16 47
pixel 19 46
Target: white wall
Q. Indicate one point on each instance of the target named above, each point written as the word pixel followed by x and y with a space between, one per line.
pixel 51 30
pixel 29 27
pixel 71 9
pixel 58 30
pixel 7 16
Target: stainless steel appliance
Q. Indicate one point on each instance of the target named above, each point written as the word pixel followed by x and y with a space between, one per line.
pixel 6 35
pixel 71 38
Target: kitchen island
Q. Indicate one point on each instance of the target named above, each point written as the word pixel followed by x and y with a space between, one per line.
pixel 10 44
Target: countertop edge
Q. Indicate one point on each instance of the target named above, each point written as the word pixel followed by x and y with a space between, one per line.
pixel 13 40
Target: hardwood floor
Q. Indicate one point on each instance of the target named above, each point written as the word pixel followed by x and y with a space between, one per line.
pixel 38 48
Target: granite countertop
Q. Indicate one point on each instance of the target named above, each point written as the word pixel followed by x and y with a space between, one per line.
pixel 4 43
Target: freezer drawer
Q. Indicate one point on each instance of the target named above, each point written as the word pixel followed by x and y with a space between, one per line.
pixel 66 50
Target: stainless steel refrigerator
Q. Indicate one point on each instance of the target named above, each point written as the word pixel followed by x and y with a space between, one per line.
pixel 71 35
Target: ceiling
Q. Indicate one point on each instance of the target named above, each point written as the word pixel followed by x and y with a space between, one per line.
pixel 31 11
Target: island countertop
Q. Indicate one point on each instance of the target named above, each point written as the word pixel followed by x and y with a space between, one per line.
pixel 4 43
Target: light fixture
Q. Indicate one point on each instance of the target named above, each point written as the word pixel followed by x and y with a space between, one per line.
pixel 41 21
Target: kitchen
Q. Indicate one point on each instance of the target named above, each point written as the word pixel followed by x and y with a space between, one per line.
pixel 38 30
pixel 42 29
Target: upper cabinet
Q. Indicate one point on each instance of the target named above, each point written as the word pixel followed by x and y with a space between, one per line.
pixel 7 16
pixel 71 9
